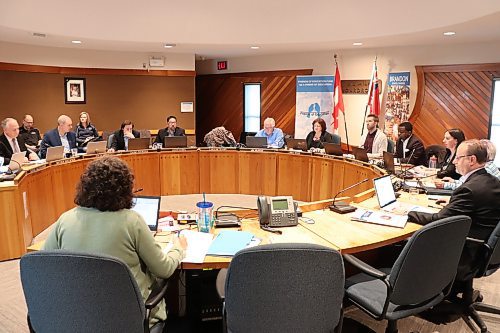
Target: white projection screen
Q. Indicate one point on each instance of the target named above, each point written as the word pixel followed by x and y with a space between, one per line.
pixel 494 128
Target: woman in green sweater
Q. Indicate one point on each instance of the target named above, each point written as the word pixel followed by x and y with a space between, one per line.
pixel 103 223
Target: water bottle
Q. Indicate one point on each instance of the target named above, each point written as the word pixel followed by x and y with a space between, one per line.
pixel 433 162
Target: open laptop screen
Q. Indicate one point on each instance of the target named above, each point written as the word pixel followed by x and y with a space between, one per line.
pixel 384 190
pixel 149 209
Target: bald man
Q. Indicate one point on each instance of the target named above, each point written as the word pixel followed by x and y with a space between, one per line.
pixel 59 136
pixel 30 134
pixel 11 142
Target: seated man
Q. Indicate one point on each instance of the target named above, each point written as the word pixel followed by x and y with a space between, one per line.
pixel 121 136
pixel 477 197
pixel 374 140
pixel 59 136
pixel 170 130
pixel 30 134
pixel 274 135
pixel 11 142
pixel 409 147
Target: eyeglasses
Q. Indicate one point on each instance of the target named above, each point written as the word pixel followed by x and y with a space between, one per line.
pixel 459 157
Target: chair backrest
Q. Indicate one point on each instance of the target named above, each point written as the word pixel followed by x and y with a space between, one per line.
pixel 390 146
pixel 428 263
pixel 336 138
pixel 110 139
pixel 492 259
pixel 78 292
pixel 436 150
pixel 284 288
pixel 144 133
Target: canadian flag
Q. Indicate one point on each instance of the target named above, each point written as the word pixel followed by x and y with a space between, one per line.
pixel 338 101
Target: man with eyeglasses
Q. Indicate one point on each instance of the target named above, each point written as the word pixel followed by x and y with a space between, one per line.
pixel 30 134
pixel 170 130
pixel 478 197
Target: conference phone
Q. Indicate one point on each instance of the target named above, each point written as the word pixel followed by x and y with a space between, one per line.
pixel 278 211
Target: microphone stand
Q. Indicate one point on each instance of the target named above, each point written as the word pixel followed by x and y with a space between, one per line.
pixel 342 207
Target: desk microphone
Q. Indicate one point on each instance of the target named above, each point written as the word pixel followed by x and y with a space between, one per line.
pixel 405 176
pixel 140 189
pixel 343 207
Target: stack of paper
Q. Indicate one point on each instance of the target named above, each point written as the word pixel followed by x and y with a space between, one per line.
pixel 228 242
pixel 198 244
pixel 379 217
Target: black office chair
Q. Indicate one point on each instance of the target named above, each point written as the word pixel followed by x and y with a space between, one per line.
pixel 390 146
pixel 419 279
pixel 284 288
pixel 336 138
pixel 489 262
pixel 436 150
pixel 78 292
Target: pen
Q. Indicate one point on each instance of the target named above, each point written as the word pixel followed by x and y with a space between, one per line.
pixel 434 206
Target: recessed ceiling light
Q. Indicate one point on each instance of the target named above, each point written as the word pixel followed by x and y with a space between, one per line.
pixel 255 47
pixel 449 33
pixel 357 44
pixel 39 34
pixel 76 41
pixel 169 46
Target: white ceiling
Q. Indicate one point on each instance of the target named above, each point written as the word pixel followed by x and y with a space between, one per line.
pixel 227 28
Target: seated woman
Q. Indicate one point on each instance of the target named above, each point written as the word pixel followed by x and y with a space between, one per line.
pixel 318 135
pixel 452 138
pixel 103 223
pixel 85 131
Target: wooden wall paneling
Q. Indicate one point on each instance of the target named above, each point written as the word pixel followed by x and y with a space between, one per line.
pixel 353 174
pixel 322 178
pixel 294 176
pixel 257 173
pixel 220 100
pixel 11 245
pixel 453 96
pixel 41 199
pixel 65 177
pixel 179 173
pixel 219 171
pixel 24 218
pixel 146 169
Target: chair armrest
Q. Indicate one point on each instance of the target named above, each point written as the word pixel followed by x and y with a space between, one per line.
pixel 364 267
pixel 159 289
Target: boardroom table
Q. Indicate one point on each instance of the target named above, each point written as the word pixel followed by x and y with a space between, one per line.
pixel 40 193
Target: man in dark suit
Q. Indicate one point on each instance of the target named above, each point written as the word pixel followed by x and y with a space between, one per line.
pixel 59 136
pixel 120 137
pixel 170 130
pixel 11 142
pixel 409 147
pixel 478 197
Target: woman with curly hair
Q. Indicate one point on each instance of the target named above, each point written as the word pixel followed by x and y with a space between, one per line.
pixel 103 223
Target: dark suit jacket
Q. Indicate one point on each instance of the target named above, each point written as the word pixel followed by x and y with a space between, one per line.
pixel 325 137
pixel 52 139
pixel 6 150
pixel 118 142
pixel 448 169
pixel 160 138
pixel 418 157
pixel 478 197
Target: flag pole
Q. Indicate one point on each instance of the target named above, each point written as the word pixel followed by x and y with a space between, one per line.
pixel 345 122
pixel 370 91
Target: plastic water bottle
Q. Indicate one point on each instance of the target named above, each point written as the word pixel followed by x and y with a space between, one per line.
pixel 433 162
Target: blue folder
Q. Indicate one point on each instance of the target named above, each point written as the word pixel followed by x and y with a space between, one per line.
pixel 228 242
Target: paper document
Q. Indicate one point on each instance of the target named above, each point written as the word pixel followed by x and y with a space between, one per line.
pixel 402 208
pixel 198 244
pixel 228 242
pixel 379 217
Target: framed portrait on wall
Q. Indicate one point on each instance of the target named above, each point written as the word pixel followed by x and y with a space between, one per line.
pixel 74 90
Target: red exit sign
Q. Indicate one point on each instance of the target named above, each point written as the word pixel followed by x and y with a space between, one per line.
pixel 222 65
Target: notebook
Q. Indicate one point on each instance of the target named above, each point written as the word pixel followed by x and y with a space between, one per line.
pixel 256 142
pixel 54 154
pixel 360 154
pixel 96 147
pixel 298 144
pixel 138 143
pixel 333 149
pixel 175 142
pixel 149 208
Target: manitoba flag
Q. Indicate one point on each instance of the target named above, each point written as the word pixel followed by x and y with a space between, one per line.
pixel 338 101
pixel 374 92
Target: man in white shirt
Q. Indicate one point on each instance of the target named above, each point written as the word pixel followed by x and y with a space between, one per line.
pixel 11 143
pixel 374 141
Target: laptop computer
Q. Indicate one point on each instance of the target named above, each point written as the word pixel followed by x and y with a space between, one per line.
pixel 17 160
pixel 387 198
pixel 175 142
pixel 298 144
pixel 138 143
pixel 256 142
pixel 389 162
pixel 333 149
pixel 54 154
pixel 149 208
pixel 360 154
pixel 97 147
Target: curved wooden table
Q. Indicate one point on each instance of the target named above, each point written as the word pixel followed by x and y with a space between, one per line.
pixel 40 194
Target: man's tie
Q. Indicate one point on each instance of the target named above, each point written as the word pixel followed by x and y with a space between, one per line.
pixel 16 146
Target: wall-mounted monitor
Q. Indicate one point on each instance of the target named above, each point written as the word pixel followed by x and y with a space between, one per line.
pixel 494 128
